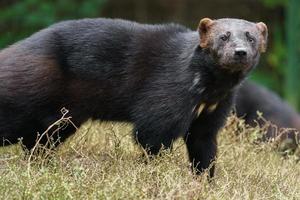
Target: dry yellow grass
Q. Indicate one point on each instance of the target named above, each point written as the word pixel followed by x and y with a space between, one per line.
pixel 102 162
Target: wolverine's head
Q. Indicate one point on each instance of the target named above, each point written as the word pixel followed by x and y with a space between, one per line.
pixel 235 44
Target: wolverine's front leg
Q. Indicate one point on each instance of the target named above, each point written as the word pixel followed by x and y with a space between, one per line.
pixel 201 140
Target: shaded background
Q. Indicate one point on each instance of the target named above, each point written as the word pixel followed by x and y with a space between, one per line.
pixel 279 68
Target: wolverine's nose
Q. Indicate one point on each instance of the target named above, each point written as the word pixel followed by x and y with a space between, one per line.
pixel 240 52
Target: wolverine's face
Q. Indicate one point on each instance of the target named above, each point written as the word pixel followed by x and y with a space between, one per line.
pixel 235 44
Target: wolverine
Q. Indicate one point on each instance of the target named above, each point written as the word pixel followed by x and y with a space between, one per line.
pixel 167 80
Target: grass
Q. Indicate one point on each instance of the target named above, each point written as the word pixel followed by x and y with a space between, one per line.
pixel 102 162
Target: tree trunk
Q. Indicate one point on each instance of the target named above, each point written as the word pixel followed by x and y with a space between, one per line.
pixel 293 52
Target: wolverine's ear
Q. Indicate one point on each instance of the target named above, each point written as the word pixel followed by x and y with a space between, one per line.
pixel 203 30
pixel 262 27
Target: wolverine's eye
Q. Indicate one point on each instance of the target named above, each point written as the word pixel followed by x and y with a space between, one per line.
pixel 225 37
pixel 250 38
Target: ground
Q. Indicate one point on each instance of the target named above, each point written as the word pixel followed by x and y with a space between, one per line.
pixel 102 162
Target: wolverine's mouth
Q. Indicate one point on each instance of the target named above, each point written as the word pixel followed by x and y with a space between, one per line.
pixel 241 65
pixel 232 63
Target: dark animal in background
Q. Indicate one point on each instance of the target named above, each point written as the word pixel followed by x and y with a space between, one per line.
pixel 252 97
pixel 159 77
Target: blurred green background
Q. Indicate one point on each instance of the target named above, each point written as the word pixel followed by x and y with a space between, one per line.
pixel 279 68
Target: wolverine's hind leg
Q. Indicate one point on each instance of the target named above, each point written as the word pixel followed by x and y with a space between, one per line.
pixel 8 133
pixel 48 133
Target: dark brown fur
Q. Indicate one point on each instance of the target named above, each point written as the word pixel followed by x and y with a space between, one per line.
pixel 153 76
pixel 253 98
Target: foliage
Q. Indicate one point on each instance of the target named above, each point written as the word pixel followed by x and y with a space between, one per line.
pixel 293 52
pixel 283 58
pixel 274 3
pixel 22 18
